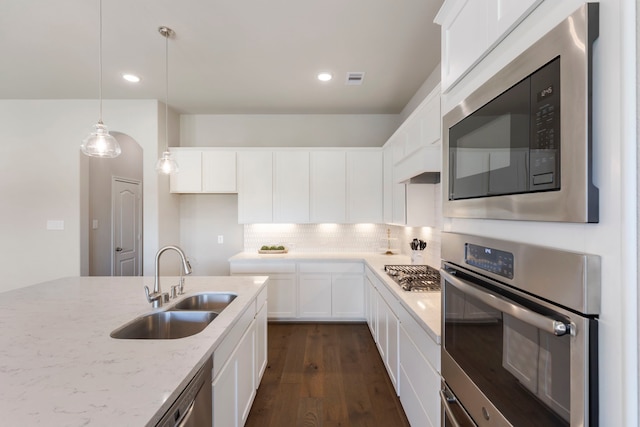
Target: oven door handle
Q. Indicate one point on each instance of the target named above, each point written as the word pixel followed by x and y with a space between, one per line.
pixel 447 400
pixel 498 302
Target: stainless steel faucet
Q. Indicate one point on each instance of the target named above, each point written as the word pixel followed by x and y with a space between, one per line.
pixel 157 297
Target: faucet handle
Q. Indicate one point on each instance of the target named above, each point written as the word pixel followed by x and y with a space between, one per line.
pixel 181 286
pixel 148 294
pixel 174 291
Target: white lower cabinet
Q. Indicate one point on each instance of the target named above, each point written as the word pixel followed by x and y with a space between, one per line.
pixel 388 334
pixel 238 365
pixel 314 295
pixel 419 374
pixel 282 297
pixel 315 290
pixel 411 357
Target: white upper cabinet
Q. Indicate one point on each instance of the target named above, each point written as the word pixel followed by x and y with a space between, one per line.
pixel 364 186
pixel 255 187
pixel 189 177
pixel 328 194
pixel 219 171
pixel 291 187
pixel 423 140
pixel 471 28
pixel 204 171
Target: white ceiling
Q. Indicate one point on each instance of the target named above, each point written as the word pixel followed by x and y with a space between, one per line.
pixel 228 56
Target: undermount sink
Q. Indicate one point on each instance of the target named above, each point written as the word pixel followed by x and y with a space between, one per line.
pixel 212 301
pixel 165 325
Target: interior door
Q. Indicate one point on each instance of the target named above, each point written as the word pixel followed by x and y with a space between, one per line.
pixel 127 228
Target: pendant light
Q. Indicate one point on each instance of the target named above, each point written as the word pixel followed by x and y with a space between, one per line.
pixel 166 164
pixel 99 143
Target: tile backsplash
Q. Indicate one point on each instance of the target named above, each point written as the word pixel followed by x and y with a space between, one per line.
pixel 369 238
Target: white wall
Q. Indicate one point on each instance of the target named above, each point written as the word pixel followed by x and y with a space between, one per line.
pixel 42 169
pixel 287 130
pixel 204 217
pixel 615 174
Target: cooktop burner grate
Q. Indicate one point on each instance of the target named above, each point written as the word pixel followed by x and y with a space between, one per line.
pixel 415 278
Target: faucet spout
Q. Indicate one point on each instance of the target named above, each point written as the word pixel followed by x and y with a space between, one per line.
pixel 186 267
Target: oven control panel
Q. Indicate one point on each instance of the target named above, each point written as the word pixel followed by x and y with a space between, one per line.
pixel 492 260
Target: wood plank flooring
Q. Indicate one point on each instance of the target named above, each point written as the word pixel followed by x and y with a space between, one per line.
pixel 324 374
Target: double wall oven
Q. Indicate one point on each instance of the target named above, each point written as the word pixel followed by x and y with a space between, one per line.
pixel 519 334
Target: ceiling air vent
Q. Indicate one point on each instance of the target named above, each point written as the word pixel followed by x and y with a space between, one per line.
pixel 355 77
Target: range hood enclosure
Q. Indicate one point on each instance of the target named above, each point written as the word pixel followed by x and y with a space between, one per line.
pixel 420 167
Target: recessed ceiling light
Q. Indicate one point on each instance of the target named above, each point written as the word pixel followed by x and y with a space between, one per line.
pixel 131 78
pixel 324 77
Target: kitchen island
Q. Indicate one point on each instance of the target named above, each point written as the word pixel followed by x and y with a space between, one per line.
pixel 60 367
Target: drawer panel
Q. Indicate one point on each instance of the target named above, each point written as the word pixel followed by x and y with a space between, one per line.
pixel 262 267
pixel 423 342
pixel 331 267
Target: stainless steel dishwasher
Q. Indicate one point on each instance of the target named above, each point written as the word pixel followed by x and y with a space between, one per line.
pixel 193 408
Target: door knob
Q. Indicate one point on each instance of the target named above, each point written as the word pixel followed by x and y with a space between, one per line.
pixel 118 249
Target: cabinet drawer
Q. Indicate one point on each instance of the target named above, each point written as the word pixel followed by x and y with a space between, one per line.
pixel 331 267
pixel 225 349
pixel 262 267
pixel 420 383
pixel 422 341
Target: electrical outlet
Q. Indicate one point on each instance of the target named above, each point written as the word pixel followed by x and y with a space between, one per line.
pixel 220 239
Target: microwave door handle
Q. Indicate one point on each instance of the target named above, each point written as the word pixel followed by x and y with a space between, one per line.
pixel 498 302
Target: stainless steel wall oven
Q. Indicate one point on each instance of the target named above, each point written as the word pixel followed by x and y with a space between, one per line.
pixel 520 334
pixel 520 146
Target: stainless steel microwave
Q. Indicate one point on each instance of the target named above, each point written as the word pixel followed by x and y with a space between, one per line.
pixel 520 146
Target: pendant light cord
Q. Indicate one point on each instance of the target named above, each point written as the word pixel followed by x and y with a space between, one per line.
pixel 100 64
pixel 166 91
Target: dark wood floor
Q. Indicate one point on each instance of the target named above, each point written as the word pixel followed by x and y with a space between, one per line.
pixel 324 374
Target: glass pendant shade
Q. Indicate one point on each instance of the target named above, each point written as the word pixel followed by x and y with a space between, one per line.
pixel 166 164
pixel 100 143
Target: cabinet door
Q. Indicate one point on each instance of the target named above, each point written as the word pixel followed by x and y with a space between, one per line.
pixel 245 374
pixel 224 397
pixel 328 185
pixel 421 205
pixel 364 186
pixel 315 295
pixel 430 119
pixel 420 384
pixel 255 187
pixel 189 177
pixel 281 297
pixel 381 321
pixel 393 348
pixel 347 295
pixel 261 343
pixel 387 184
pixel 464 39
pixel 219 171
pixel 291 187
pixel 509 13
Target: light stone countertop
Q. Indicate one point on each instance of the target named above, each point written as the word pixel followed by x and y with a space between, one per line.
pixel 60 367
pixel 424 307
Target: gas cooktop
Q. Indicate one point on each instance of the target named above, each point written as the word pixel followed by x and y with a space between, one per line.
pixel 415 278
